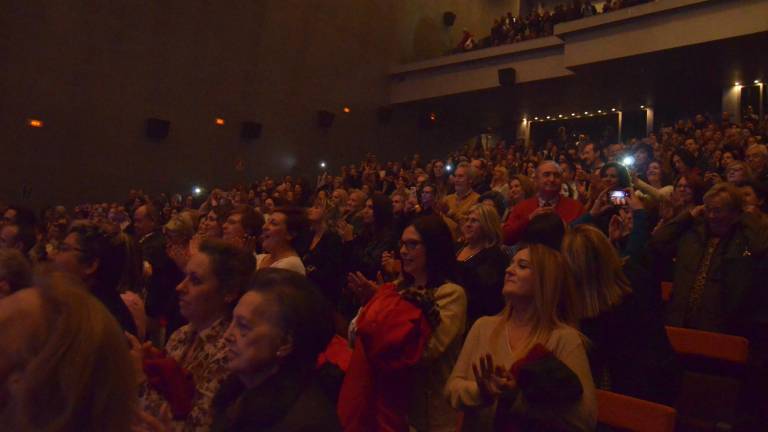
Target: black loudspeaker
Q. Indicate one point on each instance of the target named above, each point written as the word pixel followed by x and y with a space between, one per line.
pixel 507 77
pixel 325 119
pixel 449 18
pixel 157 129
pixel 250 130
pixel 385 114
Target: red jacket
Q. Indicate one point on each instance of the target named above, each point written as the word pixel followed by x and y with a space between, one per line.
pixel 392 334
pixel 568 209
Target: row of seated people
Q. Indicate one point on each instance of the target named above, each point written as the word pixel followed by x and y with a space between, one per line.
pixel 408 337
pixel 431 288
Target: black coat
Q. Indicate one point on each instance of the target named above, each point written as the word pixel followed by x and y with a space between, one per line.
pixel 482 278
pixel 323 264
pixel 162 298
pixel 629 351
pixel 284 402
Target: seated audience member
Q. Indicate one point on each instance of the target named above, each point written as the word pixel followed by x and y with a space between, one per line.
pixel 214 279
pixel 279 327
pixel 526 368
pixel 376 237
pixel 500 180
pixel 210 225
pixel 496 201
pixel 546 229
pixel 459 202
pixel 653 184
pixel 353 211
pixel 754 195
pixel 178 232
pixel 430 201
pixel 19 215
pixel 162 300
pixel 520 189
pixel 683 162
pixel 99 259
pixel 621 314
pixel 323 258
pixel 19 236
pixel 718 249
pixel 64 365
pixel 242 228
pixel 282 238
pixel 687 193
pixel 547 200
pixel 757 158
pixel 406 339
pixel 481 263
pixel 15 272
pixel 738 173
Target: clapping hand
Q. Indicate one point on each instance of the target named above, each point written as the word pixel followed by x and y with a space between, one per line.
pixel 362 288
pixel 492 381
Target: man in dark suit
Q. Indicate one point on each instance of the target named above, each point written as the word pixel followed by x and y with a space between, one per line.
pixel 162 300
pixel 549 180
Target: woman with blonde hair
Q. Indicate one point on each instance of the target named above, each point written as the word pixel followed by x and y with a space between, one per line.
pixel 526 368
pixel 481 262
pixel 500 180
pixel 620 311
pixel 65 364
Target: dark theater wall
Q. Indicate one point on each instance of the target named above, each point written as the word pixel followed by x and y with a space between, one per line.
pixel 94 71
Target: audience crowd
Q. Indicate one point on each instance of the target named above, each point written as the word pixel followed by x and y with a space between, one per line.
pixel 506 282
pixel 539 23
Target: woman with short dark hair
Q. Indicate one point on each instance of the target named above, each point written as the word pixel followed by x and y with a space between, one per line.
pixel 280 326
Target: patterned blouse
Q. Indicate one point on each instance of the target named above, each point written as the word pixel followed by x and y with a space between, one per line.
pixel 203 354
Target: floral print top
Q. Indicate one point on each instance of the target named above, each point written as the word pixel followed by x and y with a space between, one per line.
pixel 203 354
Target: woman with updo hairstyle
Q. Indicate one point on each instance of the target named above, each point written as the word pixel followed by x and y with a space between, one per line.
pixel 280 326
pixel 102 260
pixel 64 365
pixel 215 277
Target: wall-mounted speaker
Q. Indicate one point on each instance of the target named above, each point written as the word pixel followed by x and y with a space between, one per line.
pixel 157 129
pixel 250 130
pixel 507 77
pixel 449 18
pixel 325 119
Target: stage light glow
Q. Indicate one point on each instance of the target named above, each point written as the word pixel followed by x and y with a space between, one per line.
pixel 35 123
pixel 219 121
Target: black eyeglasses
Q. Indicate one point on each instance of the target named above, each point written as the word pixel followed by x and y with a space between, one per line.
pixel 64 247
pixel 410 244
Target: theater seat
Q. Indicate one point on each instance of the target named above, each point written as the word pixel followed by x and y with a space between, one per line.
pixel 711 387
pixel 628 413
pixel 708 345
pixel 666 291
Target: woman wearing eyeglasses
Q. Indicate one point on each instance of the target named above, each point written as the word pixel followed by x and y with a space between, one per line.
pixel 101 259
pixel 407 339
